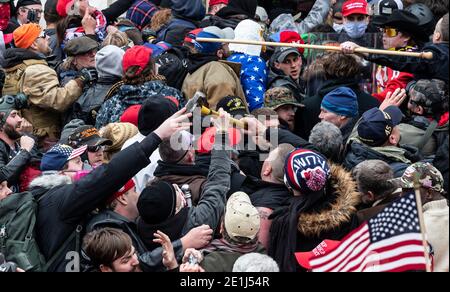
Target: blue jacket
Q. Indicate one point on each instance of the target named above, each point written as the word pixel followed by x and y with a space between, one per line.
pixel 253 78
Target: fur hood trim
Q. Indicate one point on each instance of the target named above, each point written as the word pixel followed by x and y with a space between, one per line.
pixel 50 181
pixel 338 212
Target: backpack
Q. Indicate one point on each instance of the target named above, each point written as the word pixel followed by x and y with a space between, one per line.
pixel 17 233
pixel 13 76
pixel 173 65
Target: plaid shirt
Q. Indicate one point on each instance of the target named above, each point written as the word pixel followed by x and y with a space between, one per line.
pixel 141 13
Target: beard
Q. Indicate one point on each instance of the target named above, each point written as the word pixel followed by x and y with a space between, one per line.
pixel 11 132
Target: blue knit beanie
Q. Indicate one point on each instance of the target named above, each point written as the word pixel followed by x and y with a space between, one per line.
pixel 341 101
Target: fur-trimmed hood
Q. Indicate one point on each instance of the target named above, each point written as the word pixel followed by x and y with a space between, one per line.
pixel 49 181
pixel 335 213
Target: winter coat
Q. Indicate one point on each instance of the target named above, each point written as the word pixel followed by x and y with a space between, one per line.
pixel 128 95
pixel 186 15
pixel 299 228
pixel 208 210
pixel 413 131
pixel 89 103
pixel 436 219
pixel 65 205
pixel 253 78
pixel 150 260
pixel 364 214
pixel 306 118
pixel 436 68
pixel 223 260
pixel 398 158
pixel 181 174
pixel 317 15
pixel 12 163
pixel 173 65
pixel 46 98
pixel 441 162
pixel 271 195
pixel 215 79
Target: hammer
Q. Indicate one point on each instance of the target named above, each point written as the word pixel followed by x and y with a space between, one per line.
pixel 196 101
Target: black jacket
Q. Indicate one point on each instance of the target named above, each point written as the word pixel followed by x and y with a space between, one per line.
pixel 65 205
pixel 88 104
pixel 436 68
pixel 272 196
pixel 277 78
pixel 404 156
pixel 151 261
pixel 306 118
pixel 12 166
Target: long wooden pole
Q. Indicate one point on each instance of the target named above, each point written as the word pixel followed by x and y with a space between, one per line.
pixel 424 55
pixel 422 223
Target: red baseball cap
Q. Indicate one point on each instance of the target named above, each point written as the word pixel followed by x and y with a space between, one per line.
pixel 128 186
pixel 323 248
pixel 215 2
pixel 354 7
pixel 137 56
pixel 289 36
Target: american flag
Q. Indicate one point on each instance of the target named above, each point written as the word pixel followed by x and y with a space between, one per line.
pixel 389 242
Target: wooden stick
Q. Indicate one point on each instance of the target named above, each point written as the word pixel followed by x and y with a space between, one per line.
pixel 424 55
pixel 422 224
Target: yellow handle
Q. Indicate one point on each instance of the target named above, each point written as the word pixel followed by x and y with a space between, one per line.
pixel 206 112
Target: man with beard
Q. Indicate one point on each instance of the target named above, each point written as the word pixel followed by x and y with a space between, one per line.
pixel 14 148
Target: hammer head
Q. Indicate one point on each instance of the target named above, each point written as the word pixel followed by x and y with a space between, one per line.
pixel 194 101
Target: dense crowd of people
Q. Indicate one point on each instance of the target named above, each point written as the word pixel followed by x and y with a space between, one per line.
pixel 107 163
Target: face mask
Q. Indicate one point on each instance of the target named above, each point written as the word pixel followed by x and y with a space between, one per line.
pixel 355 29
pixel 338 27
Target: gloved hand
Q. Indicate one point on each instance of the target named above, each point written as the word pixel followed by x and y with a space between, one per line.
pixel 88 75
pixel 6 267
pixel 149 35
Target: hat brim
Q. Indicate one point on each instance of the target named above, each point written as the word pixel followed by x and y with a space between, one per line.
pixel 285 54
pixel 98 141
pixel 296 104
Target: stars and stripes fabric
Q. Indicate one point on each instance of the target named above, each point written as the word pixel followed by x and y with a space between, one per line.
pixel 253 78
pixel 389 242
pixel 77 152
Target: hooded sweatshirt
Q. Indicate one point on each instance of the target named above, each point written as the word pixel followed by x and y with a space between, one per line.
pixel 254 70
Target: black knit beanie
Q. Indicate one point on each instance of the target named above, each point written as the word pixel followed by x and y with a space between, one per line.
pixel 157 202
pixel 154 111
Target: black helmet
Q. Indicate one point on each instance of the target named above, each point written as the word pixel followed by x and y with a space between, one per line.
pixel 427 21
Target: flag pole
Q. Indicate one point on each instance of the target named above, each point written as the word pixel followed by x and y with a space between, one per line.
pixel 422 222
pixel 423 55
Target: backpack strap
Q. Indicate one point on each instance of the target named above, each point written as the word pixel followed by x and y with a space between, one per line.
pixel 75 235
pixel 113 90
pixel 427 135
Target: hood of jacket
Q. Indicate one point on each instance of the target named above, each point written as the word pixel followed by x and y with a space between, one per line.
pixel 15 56
pixel 198 60
pixel 237 7
pixel 49 181
pixel 190 9
pixel 333 214
pixel 247 30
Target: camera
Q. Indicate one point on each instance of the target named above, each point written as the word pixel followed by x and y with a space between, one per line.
pixel 32 16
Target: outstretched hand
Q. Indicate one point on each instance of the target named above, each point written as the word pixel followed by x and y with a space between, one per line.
pixel 395 98
pixel 177 122
pixel 168 254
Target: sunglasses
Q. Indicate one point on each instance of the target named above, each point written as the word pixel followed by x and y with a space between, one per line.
pixel 96 148
pixel 390 32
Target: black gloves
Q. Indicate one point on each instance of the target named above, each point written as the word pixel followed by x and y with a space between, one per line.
pixel 88 75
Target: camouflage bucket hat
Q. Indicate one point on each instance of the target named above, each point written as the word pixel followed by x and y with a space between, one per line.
pixel 429 177
pixel 279 96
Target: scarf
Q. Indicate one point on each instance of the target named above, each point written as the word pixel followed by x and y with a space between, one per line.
pixel 223 245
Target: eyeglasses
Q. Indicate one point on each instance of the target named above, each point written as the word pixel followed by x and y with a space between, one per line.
pixel 96 148
pixel 390 32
